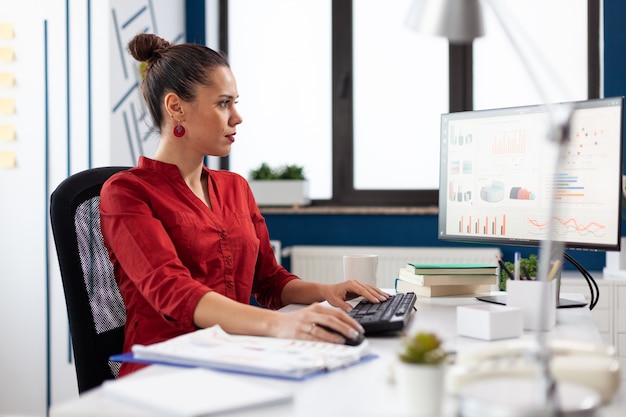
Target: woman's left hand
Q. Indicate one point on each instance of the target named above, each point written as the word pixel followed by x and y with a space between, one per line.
pixel 337 294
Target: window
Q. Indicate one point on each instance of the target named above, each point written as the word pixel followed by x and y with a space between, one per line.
pixel 341 87
pixel 279 51
pixel 557 54
pixel 400 90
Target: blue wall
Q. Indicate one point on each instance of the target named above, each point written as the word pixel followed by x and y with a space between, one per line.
pixel 614 48
pixel 383 230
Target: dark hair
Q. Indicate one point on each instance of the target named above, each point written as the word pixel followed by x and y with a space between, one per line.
pixel 172 68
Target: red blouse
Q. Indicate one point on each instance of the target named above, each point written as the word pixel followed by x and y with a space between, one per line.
pixel 169 249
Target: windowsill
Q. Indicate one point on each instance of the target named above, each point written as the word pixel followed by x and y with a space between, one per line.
pixel 351 210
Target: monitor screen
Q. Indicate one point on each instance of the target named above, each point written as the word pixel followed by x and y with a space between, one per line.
pixel 498 175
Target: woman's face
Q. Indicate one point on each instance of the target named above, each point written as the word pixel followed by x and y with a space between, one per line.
pixel 210 120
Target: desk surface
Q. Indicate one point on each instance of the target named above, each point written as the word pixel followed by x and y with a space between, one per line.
pixel 365 389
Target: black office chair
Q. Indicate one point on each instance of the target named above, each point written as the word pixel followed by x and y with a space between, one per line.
pixel 95 308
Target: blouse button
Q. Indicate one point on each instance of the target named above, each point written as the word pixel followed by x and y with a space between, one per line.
pixel 223 235
pixel 229 285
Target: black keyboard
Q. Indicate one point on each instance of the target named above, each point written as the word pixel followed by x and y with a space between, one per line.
pixel 390 315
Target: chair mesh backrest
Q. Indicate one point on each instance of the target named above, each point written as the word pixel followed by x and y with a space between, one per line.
pixel 105 301
pixel 95 309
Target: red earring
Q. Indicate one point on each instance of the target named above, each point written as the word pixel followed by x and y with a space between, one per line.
pixel 179 131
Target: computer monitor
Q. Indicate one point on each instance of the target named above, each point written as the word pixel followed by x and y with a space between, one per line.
pixel 498 175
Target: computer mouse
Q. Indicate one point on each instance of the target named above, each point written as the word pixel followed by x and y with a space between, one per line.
pixel 356 341
pixel 351 342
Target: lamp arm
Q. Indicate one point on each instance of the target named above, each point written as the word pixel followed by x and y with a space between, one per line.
pixel 549 86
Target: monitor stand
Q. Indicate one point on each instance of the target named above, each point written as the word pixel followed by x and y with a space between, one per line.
pixel 501 299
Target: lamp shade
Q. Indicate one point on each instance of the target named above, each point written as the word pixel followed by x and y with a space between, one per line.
pixel 460 21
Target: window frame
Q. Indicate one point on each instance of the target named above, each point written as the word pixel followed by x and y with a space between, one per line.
pixel 460 99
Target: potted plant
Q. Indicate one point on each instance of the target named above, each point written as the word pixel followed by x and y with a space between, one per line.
pixel 423 349
pixel 419 374
pixel 528 267
pixel 282 186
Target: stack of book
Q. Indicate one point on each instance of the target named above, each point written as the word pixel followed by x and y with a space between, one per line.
pixel 439 280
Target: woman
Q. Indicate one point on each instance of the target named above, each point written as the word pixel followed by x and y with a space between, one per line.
pixel 188 244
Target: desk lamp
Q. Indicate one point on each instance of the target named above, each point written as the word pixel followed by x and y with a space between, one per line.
pixel 461 21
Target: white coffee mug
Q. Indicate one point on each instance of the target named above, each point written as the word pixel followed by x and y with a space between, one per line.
pixel 363 268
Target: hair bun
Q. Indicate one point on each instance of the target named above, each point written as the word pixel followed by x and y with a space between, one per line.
pixel 146 45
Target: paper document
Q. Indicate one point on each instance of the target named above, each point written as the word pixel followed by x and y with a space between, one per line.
pixel 214 348
pixel 6 30
pixel 7 132
pixel 193 392
pixel 6 54
pixel 7 105
pixel 7 79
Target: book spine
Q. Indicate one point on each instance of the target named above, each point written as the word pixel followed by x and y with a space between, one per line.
pixel 454 268
pixel 446 279
pixel 440 291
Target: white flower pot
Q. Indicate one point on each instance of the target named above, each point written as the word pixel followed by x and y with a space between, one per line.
pixel 280 192
pixel 420 388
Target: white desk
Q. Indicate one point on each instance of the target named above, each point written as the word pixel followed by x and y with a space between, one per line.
pixel 364 389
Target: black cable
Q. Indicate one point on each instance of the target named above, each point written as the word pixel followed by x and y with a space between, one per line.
pixel 587 277
pixel 591 282
pixel 595 284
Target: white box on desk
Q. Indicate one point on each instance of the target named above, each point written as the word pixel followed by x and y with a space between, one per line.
pixel 489 321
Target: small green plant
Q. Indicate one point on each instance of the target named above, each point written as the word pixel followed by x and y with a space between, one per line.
pixel 423 348
pixel 527 266
pixel 285 172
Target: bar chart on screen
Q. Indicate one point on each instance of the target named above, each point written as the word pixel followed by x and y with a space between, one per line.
pixel 494 225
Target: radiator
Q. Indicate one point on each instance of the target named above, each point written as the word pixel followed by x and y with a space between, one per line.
pixel 325 263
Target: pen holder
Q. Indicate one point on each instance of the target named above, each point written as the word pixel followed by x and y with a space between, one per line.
pixel 536 299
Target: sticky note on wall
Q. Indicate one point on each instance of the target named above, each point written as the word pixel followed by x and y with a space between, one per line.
pixel 6 30
pixel 7 132
pixel 7 159
pixel 6 54
pixel 7 79
pixel 7 106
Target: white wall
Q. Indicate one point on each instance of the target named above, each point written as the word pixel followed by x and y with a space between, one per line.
pixel 72 112
pixel 23 219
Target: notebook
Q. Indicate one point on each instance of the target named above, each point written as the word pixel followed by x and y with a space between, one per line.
pixel 213 348
pixel 193 392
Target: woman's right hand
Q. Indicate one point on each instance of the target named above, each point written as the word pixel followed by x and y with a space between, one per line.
pixel 309 322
